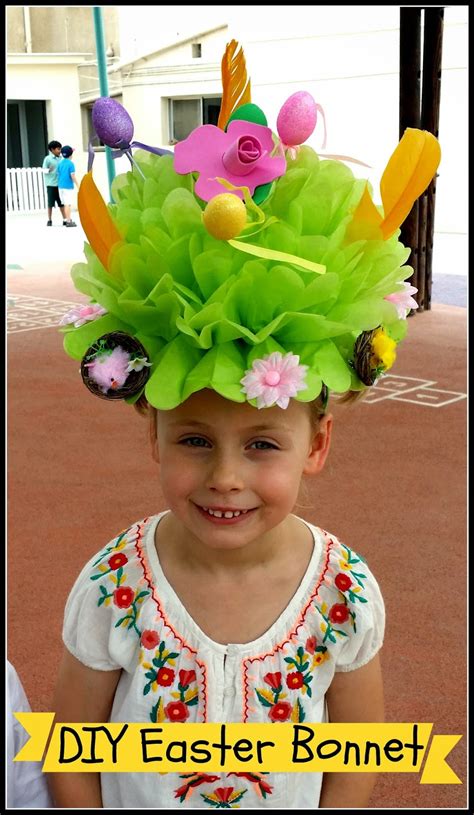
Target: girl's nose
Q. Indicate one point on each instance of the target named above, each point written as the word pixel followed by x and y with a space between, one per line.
pixel 224 475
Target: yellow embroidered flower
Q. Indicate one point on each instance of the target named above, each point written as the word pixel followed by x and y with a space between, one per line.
pixel 383 349
pixel 345 565
pixel 319 658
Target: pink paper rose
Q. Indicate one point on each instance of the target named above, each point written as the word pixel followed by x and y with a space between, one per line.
pixel 241 155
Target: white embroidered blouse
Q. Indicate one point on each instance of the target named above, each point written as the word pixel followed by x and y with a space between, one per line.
pixel 123 613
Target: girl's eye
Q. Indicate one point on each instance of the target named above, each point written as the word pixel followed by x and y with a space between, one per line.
pixel 195 441
pixel 263 445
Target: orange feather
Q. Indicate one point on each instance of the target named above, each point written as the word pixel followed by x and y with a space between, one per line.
pixel 96 222
pixel 235 85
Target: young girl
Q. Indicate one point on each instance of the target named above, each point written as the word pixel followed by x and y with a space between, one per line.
pixel 228 607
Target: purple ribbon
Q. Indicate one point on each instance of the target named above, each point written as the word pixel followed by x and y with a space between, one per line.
pixel 125 149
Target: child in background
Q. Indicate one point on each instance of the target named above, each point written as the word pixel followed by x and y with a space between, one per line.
pixel 227 607
pixel 50 172
pixel 26 784
pixel 67 181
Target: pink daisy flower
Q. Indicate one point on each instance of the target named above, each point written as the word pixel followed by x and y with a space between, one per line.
pixel 274 379
pixel 403 301
pixel 82 314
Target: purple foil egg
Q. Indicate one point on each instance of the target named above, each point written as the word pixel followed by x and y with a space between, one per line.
pixel 111 121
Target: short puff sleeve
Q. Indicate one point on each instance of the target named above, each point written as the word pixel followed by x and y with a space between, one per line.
pixel 101 615
pixel 352 608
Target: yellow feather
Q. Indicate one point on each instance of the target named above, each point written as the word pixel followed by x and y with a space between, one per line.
pixel 235 85
pixel 96 222
pixel 408 173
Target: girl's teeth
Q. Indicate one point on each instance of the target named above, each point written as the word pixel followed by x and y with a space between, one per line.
pixel 229 514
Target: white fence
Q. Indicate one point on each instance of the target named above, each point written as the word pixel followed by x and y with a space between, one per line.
pixel 26 190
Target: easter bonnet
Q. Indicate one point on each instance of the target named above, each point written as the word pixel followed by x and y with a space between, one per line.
pixel 243 261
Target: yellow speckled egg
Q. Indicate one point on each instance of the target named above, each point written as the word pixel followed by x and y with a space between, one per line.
pixel 225 216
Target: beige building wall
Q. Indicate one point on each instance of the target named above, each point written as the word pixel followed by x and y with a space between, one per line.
pixel 67 29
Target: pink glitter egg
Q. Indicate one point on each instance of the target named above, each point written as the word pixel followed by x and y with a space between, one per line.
pixel 297 119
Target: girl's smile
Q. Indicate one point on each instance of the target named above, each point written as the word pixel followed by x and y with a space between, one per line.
pixel 224 516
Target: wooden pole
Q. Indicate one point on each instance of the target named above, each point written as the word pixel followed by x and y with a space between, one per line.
pixel 430 104
pixel 409 114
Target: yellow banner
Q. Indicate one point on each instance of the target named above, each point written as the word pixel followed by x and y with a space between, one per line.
pixel 138 747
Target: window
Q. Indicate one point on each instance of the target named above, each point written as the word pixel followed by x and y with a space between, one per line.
pixel 27 138
pixel 187 114
pixel 196 49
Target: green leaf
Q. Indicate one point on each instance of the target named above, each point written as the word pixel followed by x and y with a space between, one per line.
pixel 142 594
pixel 119 622
pixel 264 701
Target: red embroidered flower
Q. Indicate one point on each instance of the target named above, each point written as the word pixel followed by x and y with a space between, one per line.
pixel 294 680
pixel 195 780
pixel 274 680
pixel 176 712
pixel 186 677
pixel 118 560
pixel 343 582
pixel 123 597
pixel 311 644
pixel 280 712
pixel 165 677
pixel 223 793
pixel 149 639
pixel 338 613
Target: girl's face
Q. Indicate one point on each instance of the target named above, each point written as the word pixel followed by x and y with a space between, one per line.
pixel 231 473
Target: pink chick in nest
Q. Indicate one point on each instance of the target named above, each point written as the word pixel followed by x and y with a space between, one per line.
pixel 109 371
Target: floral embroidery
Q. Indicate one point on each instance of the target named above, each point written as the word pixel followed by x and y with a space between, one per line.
pixel 224 797
pixel 160 674
pixel 123 596
pixel 279 711
pixel 262 788
pixel 299 678
pixel 149 639
pixel 340 613
pixel 193 780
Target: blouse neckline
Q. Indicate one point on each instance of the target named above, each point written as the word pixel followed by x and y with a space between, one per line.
pixel 182 621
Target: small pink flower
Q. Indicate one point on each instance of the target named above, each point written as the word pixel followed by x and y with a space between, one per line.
pixel 403 301
pixel 83 314
pixel 274 379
